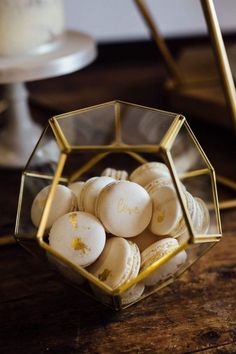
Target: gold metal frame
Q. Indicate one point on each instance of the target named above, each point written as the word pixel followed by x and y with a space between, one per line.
pixel 221 60
pixel 164 149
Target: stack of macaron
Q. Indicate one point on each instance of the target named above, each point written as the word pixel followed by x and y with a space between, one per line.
pixel 116 225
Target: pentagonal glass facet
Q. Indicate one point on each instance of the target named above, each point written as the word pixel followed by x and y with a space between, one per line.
pixel 79 145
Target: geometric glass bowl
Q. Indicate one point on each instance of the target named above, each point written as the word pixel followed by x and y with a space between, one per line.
pixel 81 144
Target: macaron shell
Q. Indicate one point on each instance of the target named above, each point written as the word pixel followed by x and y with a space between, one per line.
pixel 83 193
pixel 133 294
pixel 116 174
pixel 79 237
pixel 63 202
pixel 125 208
pixel 148 172
pixel 166 270
pixel 92 190
pixel 156 252
pixel 115 263
pixel 166 210
pixel 76 188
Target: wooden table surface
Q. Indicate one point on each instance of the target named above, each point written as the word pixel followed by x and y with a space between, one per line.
pixel 39 313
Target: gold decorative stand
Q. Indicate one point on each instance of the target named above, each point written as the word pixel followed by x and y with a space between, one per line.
pixel 180 87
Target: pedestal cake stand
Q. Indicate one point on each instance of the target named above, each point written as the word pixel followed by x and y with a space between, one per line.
pixel 20 133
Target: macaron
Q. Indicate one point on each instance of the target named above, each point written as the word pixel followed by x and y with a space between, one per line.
pixel 63 202
pixel 90 192
pixel 116 174
pixel 148 172
pixel 132 294
pixel 79 237
pixel 76 188
pixel 167 210
pixel 124 208
pixel 155 252
pixel 118 263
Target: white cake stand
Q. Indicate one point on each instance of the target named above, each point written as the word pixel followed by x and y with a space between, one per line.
pixel 20 133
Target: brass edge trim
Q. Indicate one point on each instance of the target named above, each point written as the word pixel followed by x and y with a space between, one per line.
pixel 208 238
pixel 166 113
pixel 19 204
pixel 86 109
pixel 216 200
pixel 43 221
pixel 60 137
pixel 41 176
pixel 194 173
pixel 116 148
pixel 172 132
pixel 92 162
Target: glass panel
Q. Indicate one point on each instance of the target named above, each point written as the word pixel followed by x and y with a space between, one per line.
pixel 204 214
pixel 46 154
pixel 95 126
pixel 185 153
pixel 142 125
pixel 30 188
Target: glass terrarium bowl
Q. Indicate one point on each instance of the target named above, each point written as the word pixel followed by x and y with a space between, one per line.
pixel 79 145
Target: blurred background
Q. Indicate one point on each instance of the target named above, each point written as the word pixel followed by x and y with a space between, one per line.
pixel 112 20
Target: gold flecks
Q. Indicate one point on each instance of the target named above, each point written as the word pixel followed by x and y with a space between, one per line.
pixel 104 275
pixel 78 245
pixel 160 215
pixel 73 220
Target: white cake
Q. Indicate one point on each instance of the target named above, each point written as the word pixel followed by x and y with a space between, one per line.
pixel 27 26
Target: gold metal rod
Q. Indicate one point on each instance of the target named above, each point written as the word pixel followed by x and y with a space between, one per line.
pixel 7 240
pixel 161 44
pixel 226 182
pixel 220 56
pixel 227 204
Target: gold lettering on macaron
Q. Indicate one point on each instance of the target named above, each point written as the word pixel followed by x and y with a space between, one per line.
pixel 78 245
pixel 104 275
pixel 122 207
pixel 73 220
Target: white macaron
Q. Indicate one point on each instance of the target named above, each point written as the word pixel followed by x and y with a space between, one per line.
pixel 118 263
pixel 79 237
pixel 63 202
pixel 76 188
pixel 116 174
pixel 167 210
pixel 155 252
pixel 148 172
pixel 124 208
pixel 90 192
